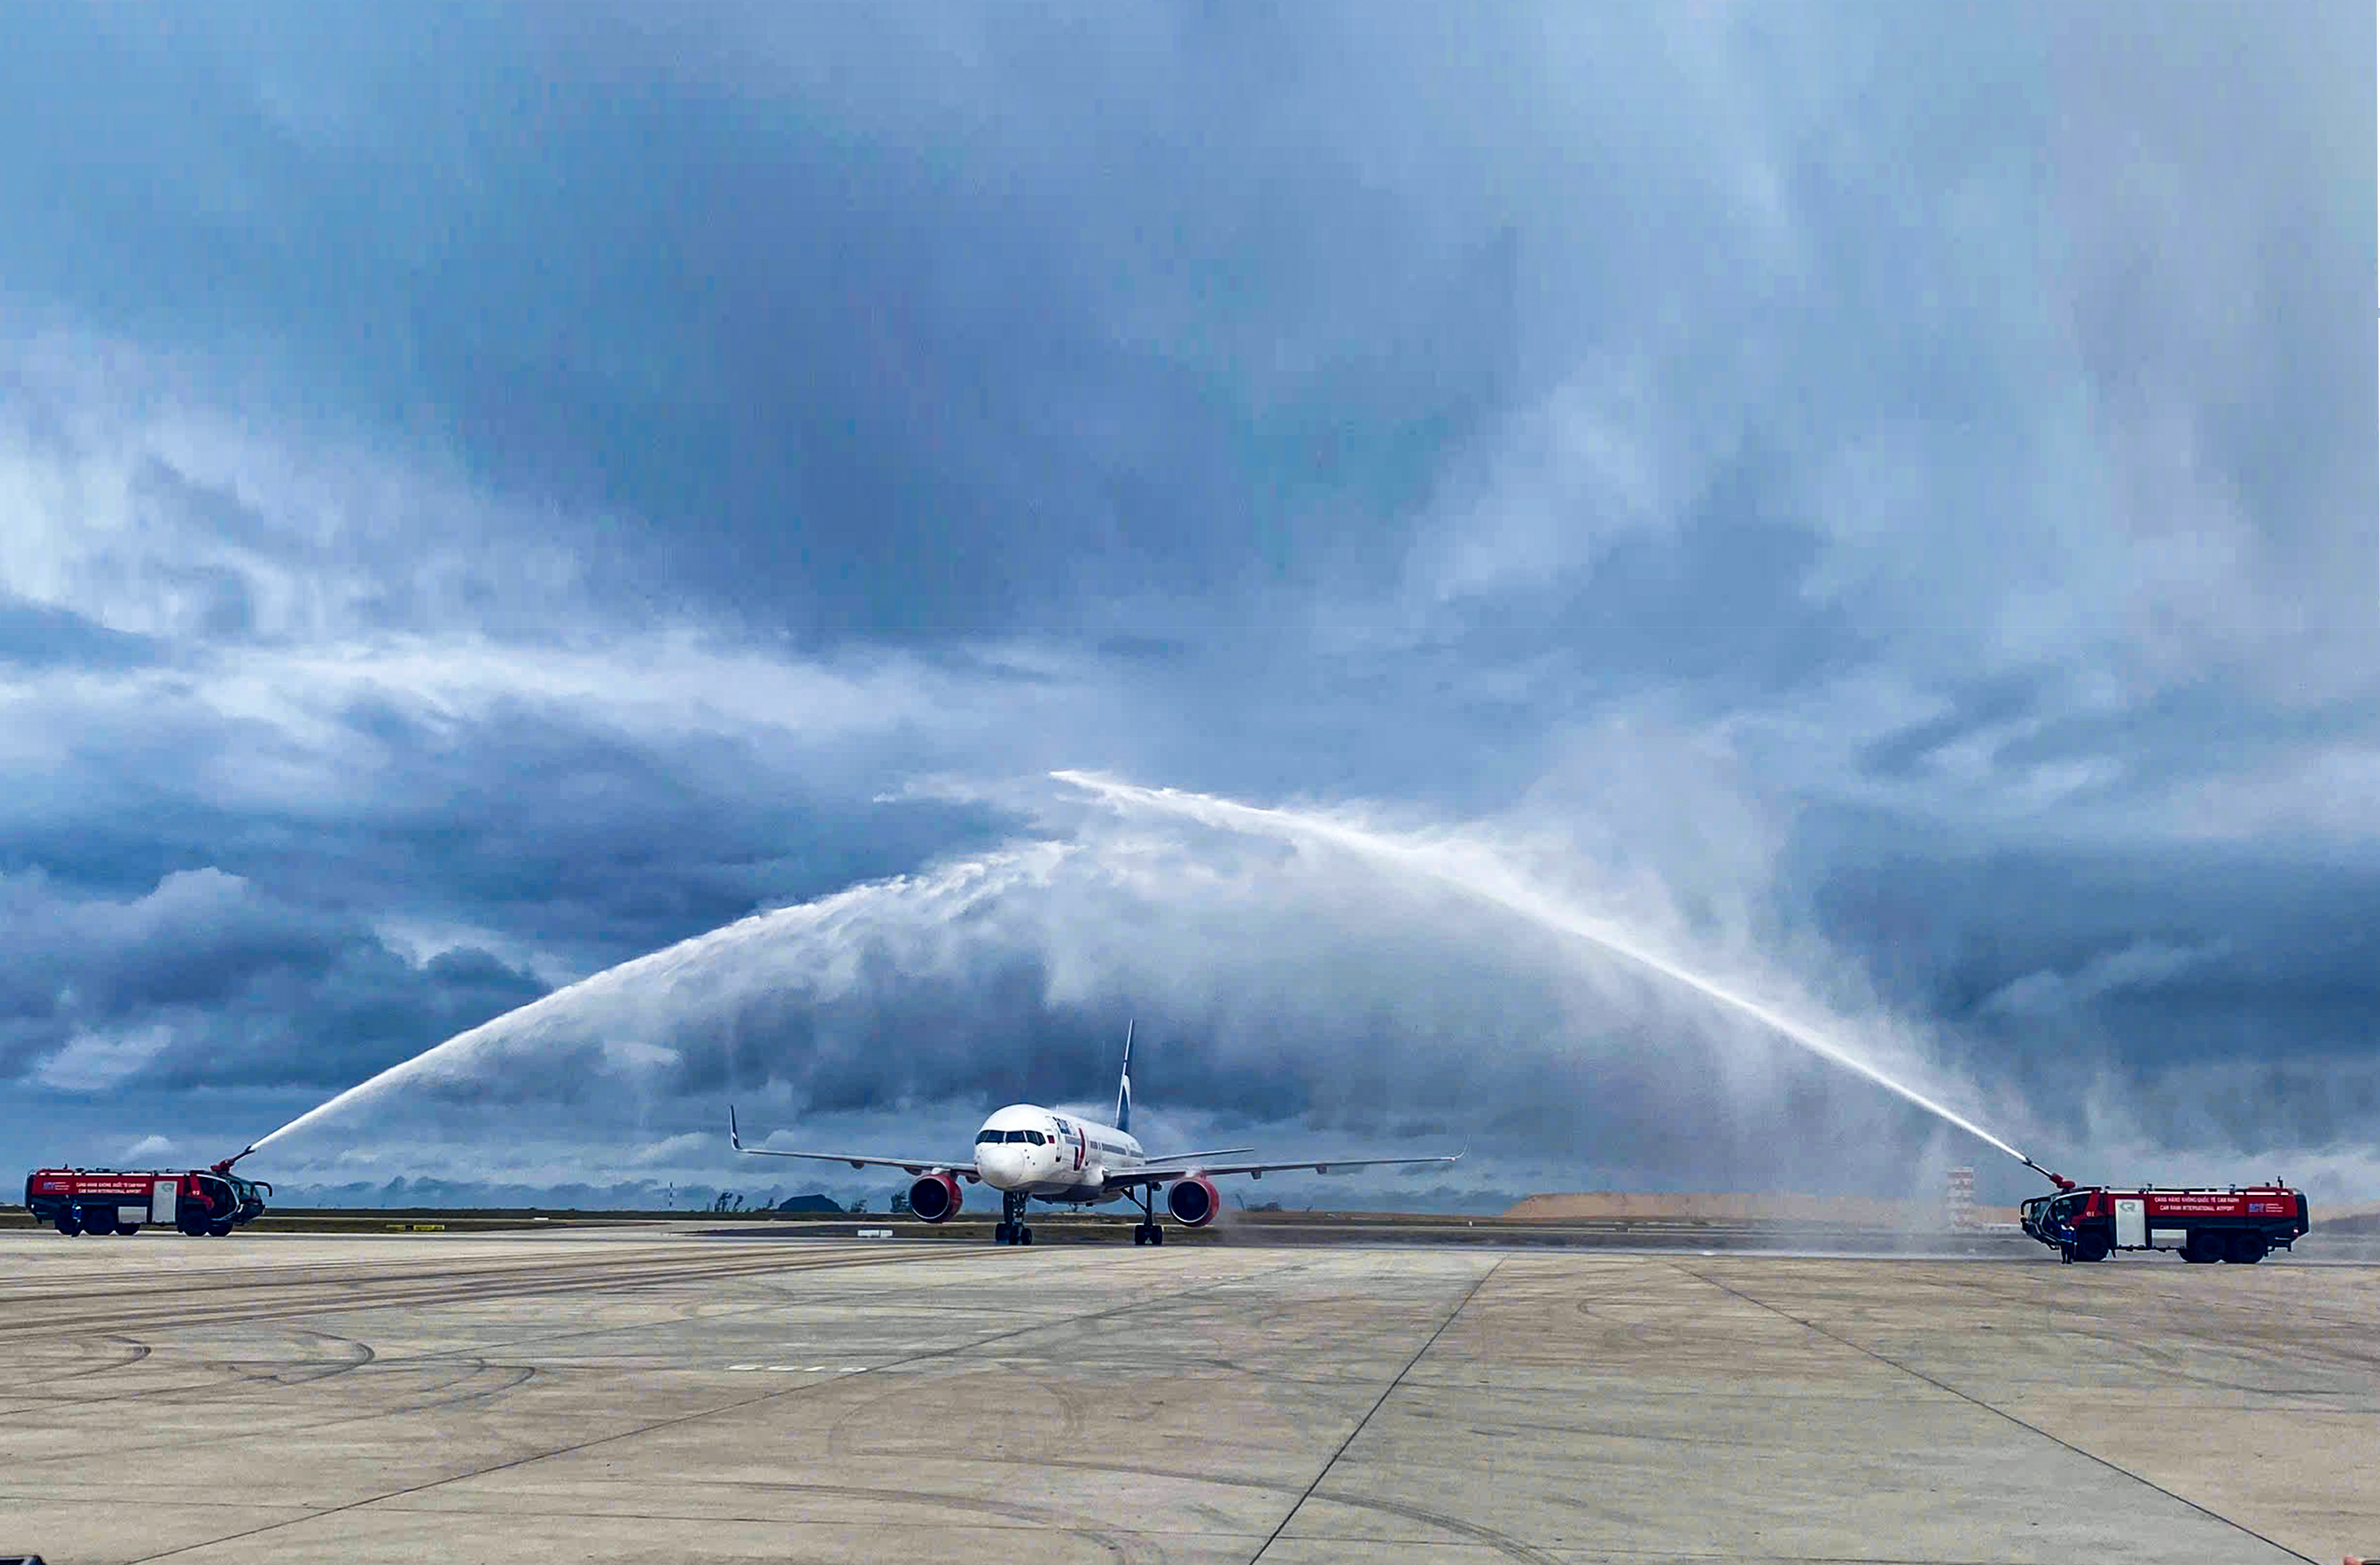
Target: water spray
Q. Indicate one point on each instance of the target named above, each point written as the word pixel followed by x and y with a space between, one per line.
pixel 1484 877
pixel 1494 884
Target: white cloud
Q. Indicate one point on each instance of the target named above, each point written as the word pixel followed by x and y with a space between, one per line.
pixel 2144 965
pixel 138 504
pixel 677 1151
pixel 2324 791
pixel 148 1147
pixel 95 1061
pixel 422 940
pixel 1569 478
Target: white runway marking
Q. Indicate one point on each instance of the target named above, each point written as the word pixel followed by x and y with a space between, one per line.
pixel 799 1368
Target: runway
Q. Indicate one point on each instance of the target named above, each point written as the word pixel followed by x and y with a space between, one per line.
pixel 637 1394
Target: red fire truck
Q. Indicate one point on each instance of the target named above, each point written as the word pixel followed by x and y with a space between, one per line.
pixel 2239 1222
pixel 97 1201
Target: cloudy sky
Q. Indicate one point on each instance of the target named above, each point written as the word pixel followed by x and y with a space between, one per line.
pixel 1870 506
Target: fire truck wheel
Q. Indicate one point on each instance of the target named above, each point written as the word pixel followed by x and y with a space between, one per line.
pixel 2091 1247
pixel 2203 1246
pixel 2246 1249
pixel 217 1230
pixel 127 1229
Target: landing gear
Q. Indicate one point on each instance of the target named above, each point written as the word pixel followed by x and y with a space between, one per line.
pixel 1148 1230
pixel 1011 1228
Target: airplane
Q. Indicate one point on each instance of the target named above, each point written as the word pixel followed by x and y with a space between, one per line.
pixel 1029 1153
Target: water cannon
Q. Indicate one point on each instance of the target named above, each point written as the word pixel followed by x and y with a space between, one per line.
pixel 2058 1180
pixel 224 1167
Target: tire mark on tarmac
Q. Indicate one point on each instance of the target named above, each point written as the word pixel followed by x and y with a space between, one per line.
pixel 304 1368
pixel 611 1274
pixel 607 1279
pixel 1970 1401
pixel 475 1354
pixel 2183 1315
pixel 1162 1297
pixel 139 1350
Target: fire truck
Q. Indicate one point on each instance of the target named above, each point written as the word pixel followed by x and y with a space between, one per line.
pixel 98 1201
pixel 2240 1223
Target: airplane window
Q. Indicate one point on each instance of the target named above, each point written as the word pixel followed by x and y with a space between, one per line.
pixel 1017 1136
pixel 982 1136
pixel 1034 1137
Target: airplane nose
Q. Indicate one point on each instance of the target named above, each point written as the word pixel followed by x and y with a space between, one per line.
pixel 1004 1166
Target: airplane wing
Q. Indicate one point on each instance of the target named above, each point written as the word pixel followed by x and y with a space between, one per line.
pixel 1167 1176
pixel 964 1166
pixel 1192 1156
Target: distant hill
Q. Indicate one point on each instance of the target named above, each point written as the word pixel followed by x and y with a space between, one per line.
pixel 810 1204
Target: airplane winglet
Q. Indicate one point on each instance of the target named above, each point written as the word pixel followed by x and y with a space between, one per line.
pixel 734 1141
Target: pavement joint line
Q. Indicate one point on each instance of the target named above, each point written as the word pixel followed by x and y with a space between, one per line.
pixel 1997 1411
pixel 1038 1325
pixel 1291 1515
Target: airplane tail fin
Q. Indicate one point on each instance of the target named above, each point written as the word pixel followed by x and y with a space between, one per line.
pixel 1123 1087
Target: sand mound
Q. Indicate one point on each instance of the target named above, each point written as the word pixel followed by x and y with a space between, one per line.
pixel 1860 1212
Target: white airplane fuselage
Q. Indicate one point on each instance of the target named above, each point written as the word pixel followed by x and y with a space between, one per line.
pixel 1052 1157
pixel 1029 1153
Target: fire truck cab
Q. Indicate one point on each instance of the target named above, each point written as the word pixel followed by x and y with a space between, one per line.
pixel 100 1201
pixel 2238 1223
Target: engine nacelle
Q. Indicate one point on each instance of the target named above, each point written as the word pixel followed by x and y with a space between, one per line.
pixel 934 1198
pixel 1193 1202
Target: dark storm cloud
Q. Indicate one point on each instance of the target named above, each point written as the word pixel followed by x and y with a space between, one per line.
pixel 925 327
pixel 898 356
pixel 206 980
pixel 2102 979
pixel 581 840
pixel 466 472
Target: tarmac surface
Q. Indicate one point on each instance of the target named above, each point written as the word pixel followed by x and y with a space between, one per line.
pixel 640 1394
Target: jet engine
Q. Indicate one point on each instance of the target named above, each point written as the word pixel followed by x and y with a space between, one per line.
pixel 934 1198
pixel 1192 1201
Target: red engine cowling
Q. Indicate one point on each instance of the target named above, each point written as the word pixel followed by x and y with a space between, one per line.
pixel 934 1198
pixel 1193 1202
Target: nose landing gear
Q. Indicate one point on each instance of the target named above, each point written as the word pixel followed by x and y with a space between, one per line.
pixel 1148 1230
pixel 1011 1229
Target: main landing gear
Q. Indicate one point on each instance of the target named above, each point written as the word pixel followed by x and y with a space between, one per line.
pixel 1148 1230
pixel 1011 1228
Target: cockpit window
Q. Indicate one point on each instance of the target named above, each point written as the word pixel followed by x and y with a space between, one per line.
pixel 1036 1137
pixel 985 1137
